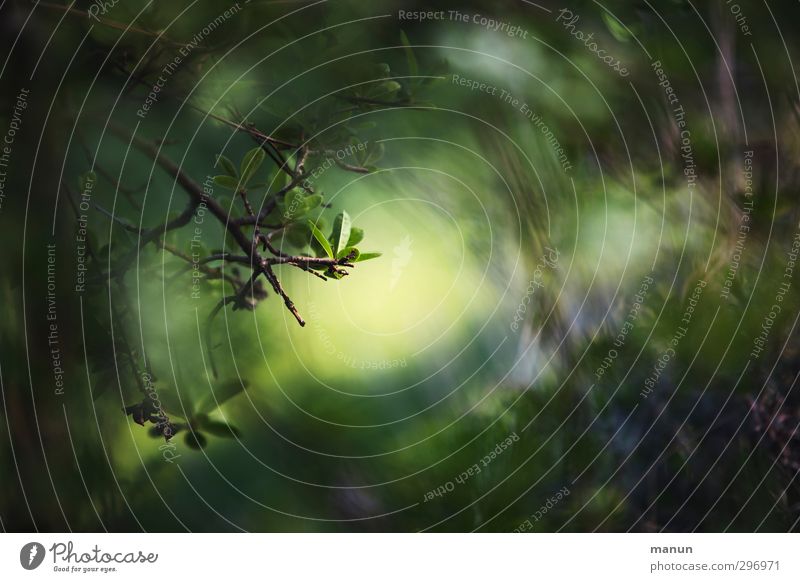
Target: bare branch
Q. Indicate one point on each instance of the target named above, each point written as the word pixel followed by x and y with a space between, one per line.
pixel 276 285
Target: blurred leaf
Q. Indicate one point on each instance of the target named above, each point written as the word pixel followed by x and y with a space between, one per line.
pixel 221 429
pixel 374 154
pixel 227 182
pixel 313 201
pixel 413 67
pixel 386 88
pixel 174 404
pixel 367 256
pixel 124 222
pixel 349 251
pixel 381 70
pixel 320 238
pixel 86 179
pixel 196 249
pixel 172 235
pixel 195 440
pixel 101 385
pixel 341 232
pixel 219 396
pixel 362 126
pixel 298 234
pixel 251 162
pixel 356 236
pixel 227 165
pixel 616 28
pixel 294 205
pixel 158 430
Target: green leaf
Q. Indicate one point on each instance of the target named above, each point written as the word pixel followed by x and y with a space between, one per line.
pixel 125 223
pixel 387 88
pixel 251 162
pixel 367 256
pixel 172 235
pixel 321 239
pixel 363 126
pixel 288 176
pixel 413 67
pixel 173 403
pixel 294 204
pixel 374 154
pixel 230 241
pixel 313 201
pixel 381 70
pixel 221 429
pixel 268 108
pixel 226 164
pixel 101 384
pixel 616 28
pixel 195 440
pixel 87 180
pixel 196 250
pixel 349 251
pixel 225 200
pixel 228 182
pixel 341 232
pixel 298 234
pixel 220 395
pixel 356 236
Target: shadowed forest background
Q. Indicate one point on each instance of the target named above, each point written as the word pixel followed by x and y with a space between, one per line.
pixel 583 315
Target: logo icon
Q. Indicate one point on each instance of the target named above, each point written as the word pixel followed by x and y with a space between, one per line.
pixel 31 555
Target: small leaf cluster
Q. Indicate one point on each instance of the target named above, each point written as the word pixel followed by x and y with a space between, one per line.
pixel 199 423
pixel 340 244
pixel 241 179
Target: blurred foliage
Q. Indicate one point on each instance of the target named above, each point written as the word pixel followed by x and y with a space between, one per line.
pixel 408 373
